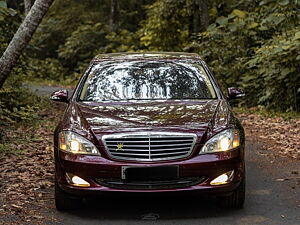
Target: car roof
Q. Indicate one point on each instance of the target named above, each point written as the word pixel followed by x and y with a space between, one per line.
pixel 147 56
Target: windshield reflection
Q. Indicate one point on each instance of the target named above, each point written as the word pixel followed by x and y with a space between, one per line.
pixel 140 80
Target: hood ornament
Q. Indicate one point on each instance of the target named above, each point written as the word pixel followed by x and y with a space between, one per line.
pixel 120 146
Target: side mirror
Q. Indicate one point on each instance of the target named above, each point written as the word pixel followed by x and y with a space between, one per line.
pixel 234 93
pixel 60 96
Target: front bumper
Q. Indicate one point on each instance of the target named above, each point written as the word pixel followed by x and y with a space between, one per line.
pixel 205 167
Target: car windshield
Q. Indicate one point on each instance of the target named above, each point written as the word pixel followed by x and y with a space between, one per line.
pixel 150 80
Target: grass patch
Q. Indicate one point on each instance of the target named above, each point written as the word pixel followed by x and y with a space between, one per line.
pixel 22 113
pixel 17 137
pixel 267 113
pixel 67 83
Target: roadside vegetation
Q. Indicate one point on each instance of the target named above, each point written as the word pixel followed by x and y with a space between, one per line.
pixel 27 169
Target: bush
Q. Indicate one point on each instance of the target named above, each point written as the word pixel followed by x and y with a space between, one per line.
pixel 274 70
pixel 257 50
pixel 16 107
pixel 47 69
pixel 164 28
pixel 16 103
pixel 122 41
pixel 83 44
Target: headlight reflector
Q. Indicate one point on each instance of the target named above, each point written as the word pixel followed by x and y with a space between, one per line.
pixel 74 146
pixel 223 141
pixel 75 143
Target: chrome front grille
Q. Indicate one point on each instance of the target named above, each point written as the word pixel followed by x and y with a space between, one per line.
pixel 152 146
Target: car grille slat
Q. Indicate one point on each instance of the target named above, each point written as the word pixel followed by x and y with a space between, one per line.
pixel 147 150
pixel 150 185
pixel 146 146
pixel 152 146
pixel 156 154
pixel 130 154
pixel 154 141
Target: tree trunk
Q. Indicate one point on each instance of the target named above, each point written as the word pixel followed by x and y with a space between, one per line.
pixel 113 15
pixel 27 6
pixel 140 8
pixel 204 16
pixel 22 38
pixel 200 17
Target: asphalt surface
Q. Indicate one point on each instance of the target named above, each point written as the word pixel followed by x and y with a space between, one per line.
pixel 46 90
pixel 272 197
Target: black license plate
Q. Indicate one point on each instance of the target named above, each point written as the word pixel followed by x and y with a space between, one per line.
pixel 149 173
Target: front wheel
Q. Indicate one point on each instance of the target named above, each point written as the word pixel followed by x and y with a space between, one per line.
pixel 236 199
pixel 64 201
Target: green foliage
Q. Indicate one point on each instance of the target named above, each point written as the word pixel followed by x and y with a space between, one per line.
pixel 267 113
pixel 9 22
pixel 64 18
pixel 6 12
pixel 277 64
pixel 48 69
pixel 83 43
pixel 15 107
pixel 226 45
pixel 163 30
pixel 73 32
pixel 16 103
pixel 257 50
pixel 122 41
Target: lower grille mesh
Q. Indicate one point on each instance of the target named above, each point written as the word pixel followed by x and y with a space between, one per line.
pixel 150 185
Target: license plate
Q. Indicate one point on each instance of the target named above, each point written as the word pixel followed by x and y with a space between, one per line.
pixel 145 173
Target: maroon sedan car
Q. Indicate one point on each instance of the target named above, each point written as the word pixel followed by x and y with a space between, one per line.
pixel 152 122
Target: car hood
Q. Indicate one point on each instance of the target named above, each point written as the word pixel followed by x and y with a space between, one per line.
pixel 176 116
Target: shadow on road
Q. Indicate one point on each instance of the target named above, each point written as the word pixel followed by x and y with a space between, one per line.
pixel 150 208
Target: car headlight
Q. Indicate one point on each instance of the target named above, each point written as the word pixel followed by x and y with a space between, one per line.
pixel 223 141
pixel 74 143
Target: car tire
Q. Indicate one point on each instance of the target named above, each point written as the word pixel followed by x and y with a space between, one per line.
pixel 236 199
pixel 64 201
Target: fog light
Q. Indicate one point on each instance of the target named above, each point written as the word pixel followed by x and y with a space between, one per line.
pixel 76 181
pixel 223 179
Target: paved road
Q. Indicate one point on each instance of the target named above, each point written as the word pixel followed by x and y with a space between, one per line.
pixel 273 197
pixel 46 90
